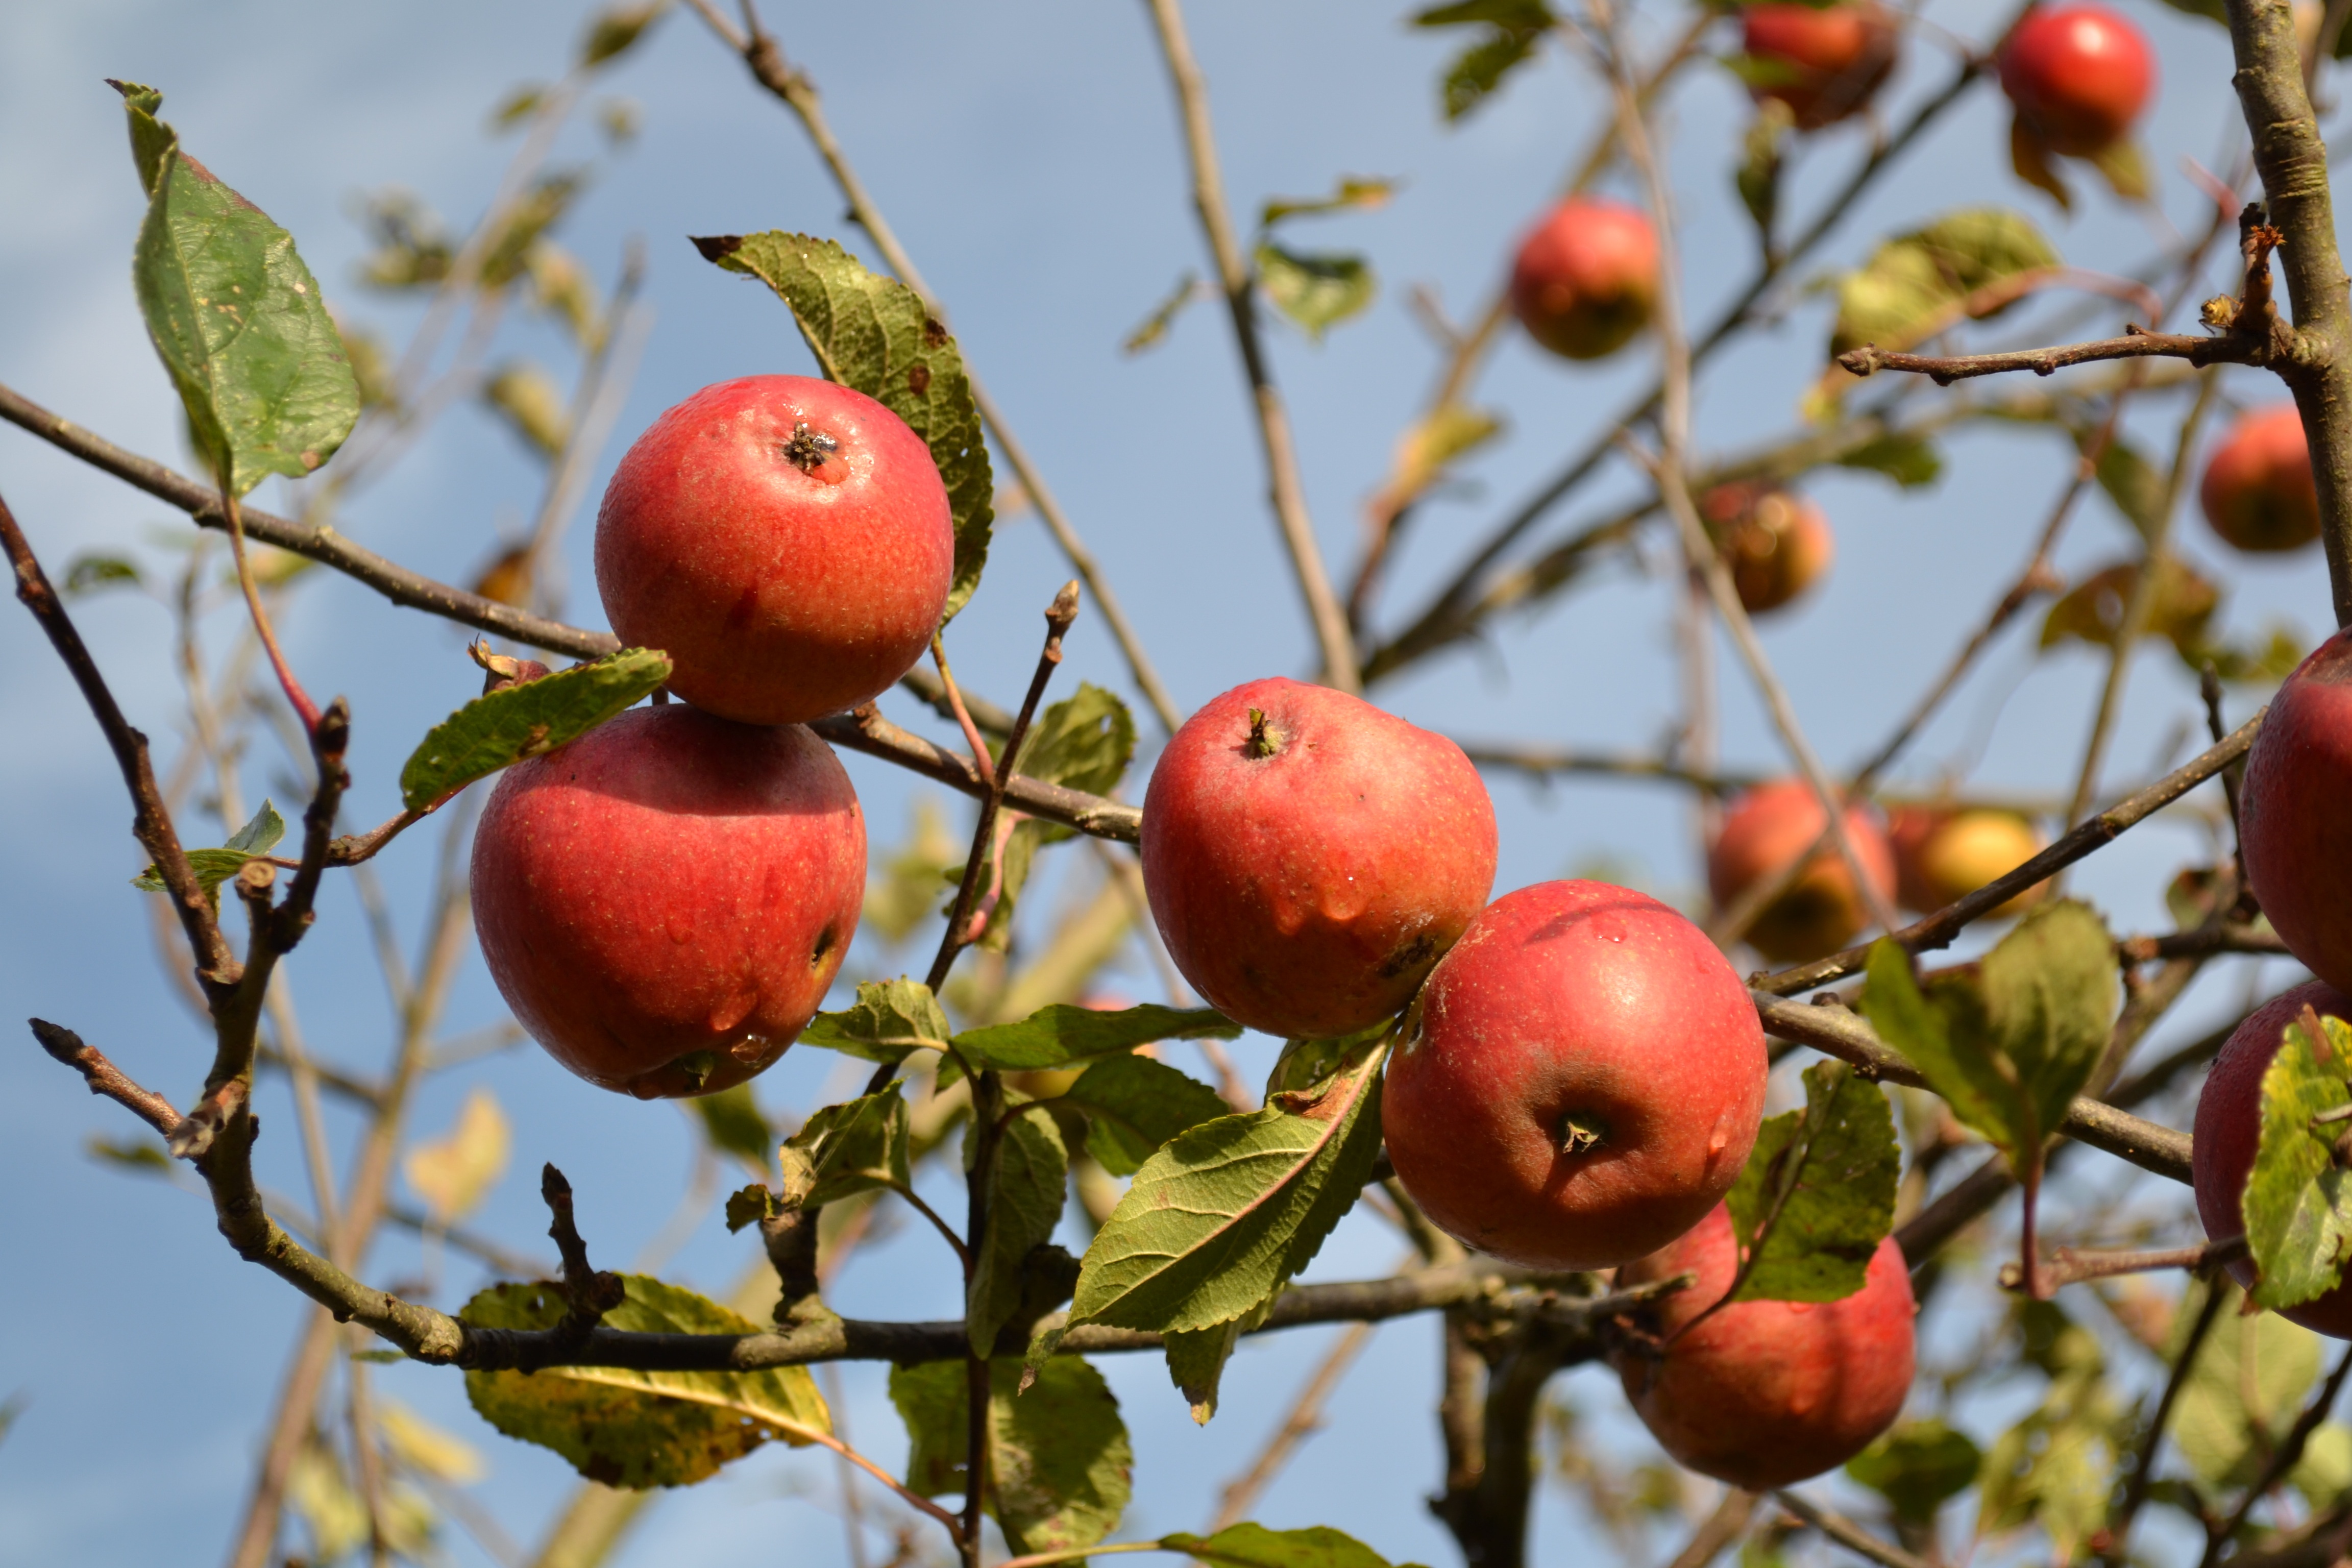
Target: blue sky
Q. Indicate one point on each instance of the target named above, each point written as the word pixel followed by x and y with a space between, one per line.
pixel 1025 153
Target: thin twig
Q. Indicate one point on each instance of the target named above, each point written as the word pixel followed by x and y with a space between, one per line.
pixel 1945 369
pixel 1239 284
pixel 1847 1533
pixel 1938 930
pixel 1719 1529
pixel 971 737
pixel 2069 1267
pixel 2283 1459
pixel 105 1080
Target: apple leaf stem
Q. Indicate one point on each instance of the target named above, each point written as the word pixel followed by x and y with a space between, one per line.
pixel 295 698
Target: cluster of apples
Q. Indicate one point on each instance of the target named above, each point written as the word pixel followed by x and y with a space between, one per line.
pixel 664 902
pixel 1580 1076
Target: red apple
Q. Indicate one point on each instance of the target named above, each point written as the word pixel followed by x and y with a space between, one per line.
pixel 1763 834
pixel 1776 542
pixel 1833 56
pixel 787 541
pixel 1766 1394
pixel 1942 853
pixel 2295 813
pixel 664 901
pixel 2079 74
pixel 1309 857
pixel 2257 491
pixel 1586 278
pixel 2228 1126
pixel 1584 1082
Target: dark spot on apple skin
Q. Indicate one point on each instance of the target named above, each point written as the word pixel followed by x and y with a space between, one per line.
pixel 1420 948
pixel 918 379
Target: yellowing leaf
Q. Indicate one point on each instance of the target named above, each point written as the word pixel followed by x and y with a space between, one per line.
pixel 454 1171
pixel 421 1445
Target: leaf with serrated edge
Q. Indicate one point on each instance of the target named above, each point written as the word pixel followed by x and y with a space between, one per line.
pixel 1840 1192
pixel 1215 1223
pixel 1256 1546
pixel 639 1430
pixel 1911 1022
pixel 236 317
pixel 1064 1033
pixel 871 333
pixel 891 1017
pixel 2297 1204
pixel 1059 1460
pixel 1135 1105
pixel 1919 1467
pixel 1083 742
pixel 1029 1186
pixel 844 1150
pixel 1197 1357
pixel 501 728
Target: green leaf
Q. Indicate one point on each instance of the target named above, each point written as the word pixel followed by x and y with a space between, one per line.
pixel 1215 1223
pixel 844 1150
pixel 1197 1357
pixel 749 1205
pixel 2057 1467
pixel 1059 1460
pixel 2124 165
pixel 501 728
pixel 1084 741
pixel 1351 194
pixel 527 398
pixel 2298 1200
pixel 145 1156
pixel 1062 1033
pixel 732 1123
pixel 1918 1468
pixel 1758 180
pixel 640 1429
pixel 1135 1105
pixel 254 841
pixel 1478 72
pixel 1315 290
pixel 1914 284
pixel 236 317
pixel 891 1018
pixel 1027 1190
pixel 1909 460
pixel 87 575
pixel 872 332
pixel 2093 610
pixel 1256 1546
pixel 2246 1391
pixel 616 30
pixel 2009 1041
pixel 1837 1164
pixel 1155 326
pixel 1533 14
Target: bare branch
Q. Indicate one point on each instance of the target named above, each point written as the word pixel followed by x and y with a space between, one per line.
pixel 1847 1533
pixel 1945 369
pixel 106 1079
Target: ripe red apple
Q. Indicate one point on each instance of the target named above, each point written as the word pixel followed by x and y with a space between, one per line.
pixel 2228 1126
pixel 1764 833
pixel 1942 853
pixel 1765 1393
pixel 664 901
pixel 787 541
pixel 2257 491
pixel 2294 812
pixel 1586 278
pixel 1309 857
pixel 1584 1080
pixel 2079 74
pixel 1776 542
pixel 1833 56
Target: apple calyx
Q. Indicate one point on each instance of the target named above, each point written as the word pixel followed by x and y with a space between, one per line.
pixel 1266 737
pixel 808 449
pixel 1578 1138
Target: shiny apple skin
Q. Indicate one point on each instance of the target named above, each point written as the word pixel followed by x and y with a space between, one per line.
pixel 2229 1127
pixel 1763 832
pixel 1307 893
pixel 2079 74
pixel 669 883
pixel 1586 277
pixel 1578 1003
pixel 1841 53
pixel 2257 491
pixel 781 594
pixel 2295 813
pixel 1766 1394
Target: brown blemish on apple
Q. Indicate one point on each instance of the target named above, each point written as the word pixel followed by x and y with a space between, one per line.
pixel 1420 949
